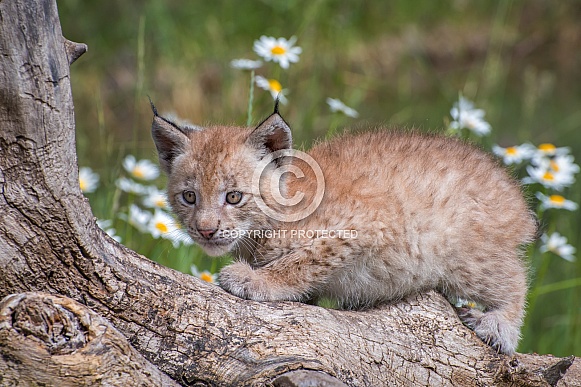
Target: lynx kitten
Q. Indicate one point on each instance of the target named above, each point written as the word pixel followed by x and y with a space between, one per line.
pixel 398 213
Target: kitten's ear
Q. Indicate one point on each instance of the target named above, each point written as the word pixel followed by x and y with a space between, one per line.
pixel 272 134
pixel 169 138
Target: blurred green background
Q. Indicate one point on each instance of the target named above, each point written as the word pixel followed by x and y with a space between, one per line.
pixel 399 63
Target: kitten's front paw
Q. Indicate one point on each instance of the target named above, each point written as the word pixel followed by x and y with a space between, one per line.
pixel 241 280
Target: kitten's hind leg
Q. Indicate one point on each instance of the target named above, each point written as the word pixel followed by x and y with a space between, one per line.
pixel 504 301
pixel 493 327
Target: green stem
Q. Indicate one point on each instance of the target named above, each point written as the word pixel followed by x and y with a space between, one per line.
pixel 250 99
pixel 140 73
pixel 333 126
pixel 545 261
pixel 214 266
pixel 561 285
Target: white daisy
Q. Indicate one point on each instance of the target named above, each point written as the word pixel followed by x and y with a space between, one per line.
pixel 556 243
pixel 161 223
pixel 548 150
pixel 155 199
pixel 246 64
pixel 556 172
pixel 164 225
pixel 514 154
pixel 278 50
pixel 138 218
pixel 564 164
pixel 179 237
pixel 105 225
pixel 549 178
pixel 466 117
pixel 336 105
pixel 131 186
pixel 142 169
pixel 204 275
pixel 556 201
pixel 273 86
pixel 463 104
pixel 88 180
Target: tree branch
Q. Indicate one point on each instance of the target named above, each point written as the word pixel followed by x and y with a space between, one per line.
pixel 74 50
pixel 193 331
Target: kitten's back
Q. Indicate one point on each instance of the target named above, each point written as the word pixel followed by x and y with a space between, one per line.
pixel 428 174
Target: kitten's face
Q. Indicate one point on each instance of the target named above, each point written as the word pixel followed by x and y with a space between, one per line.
pixel 210 174
pixel 210 189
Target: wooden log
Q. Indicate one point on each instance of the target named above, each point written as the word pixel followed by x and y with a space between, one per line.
pixel 54 341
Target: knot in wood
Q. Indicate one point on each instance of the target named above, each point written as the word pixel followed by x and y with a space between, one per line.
pixel 60 330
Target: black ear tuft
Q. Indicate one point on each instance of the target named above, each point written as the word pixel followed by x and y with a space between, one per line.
pixel 170 139
pixel 272 134
pixel 153 108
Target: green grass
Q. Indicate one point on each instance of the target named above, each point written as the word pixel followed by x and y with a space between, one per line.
pixel 398 63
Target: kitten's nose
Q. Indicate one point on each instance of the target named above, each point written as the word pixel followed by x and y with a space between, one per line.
pixel 208 233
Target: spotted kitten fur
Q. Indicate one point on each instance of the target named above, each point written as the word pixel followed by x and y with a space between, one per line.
pixel 429 212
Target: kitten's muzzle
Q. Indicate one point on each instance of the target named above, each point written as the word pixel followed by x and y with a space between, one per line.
pixel 208 234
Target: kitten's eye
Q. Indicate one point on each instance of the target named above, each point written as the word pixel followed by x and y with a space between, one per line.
pixel 189 197
pixel 233 197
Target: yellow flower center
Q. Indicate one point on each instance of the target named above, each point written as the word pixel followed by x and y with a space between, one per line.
pixel 138 172
pixel 275 85
pixel 547 148
pixel 511 151
pixel 162 227
pixel 83 184
pixel 554 166
pixel 557 199
pixel 206 277
pixel 160 202
pixel 278 50
pixel 548 176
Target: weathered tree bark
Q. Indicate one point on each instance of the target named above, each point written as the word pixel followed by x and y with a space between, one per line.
pixel 53 338
pixel 194 332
